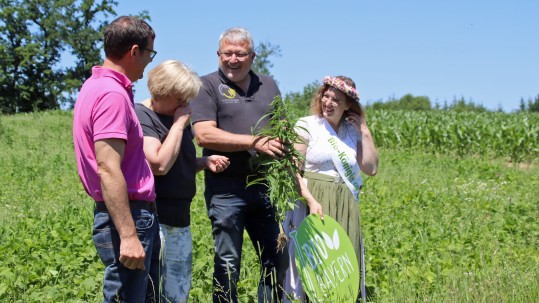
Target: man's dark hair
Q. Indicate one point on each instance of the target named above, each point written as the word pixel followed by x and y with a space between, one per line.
pixel 123 33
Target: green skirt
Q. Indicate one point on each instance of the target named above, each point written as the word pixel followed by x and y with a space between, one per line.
pixel 339 203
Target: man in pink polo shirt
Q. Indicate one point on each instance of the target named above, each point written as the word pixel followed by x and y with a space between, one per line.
pixel 111 164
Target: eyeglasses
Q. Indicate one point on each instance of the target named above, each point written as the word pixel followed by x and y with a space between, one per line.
pixel 152 52
pixel 239 56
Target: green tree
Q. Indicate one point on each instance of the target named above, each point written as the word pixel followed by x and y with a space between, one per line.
pixel 460 105
pixel 262 63
pixel 37 37
pixel 300 102
pixel 533 105
pixel 419 103
pixel 406 102
pixel 522 105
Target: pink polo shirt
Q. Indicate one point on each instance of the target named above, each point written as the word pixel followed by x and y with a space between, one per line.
pixel 105 110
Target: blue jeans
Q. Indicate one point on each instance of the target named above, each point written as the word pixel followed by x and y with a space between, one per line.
pixel 176 263
pixel 120 283
pixel 233 208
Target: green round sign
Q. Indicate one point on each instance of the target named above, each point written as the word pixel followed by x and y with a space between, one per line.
pixel 326 260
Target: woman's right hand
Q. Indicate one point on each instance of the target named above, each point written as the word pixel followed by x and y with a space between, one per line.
pixel 182 115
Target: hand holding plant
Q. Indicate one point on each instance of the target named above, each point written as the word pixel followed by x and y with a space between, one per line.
pixel 277 162
pixel 272 147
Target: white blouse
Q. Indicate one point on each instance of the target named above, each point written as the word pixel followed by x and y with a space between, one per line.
pixel 318 159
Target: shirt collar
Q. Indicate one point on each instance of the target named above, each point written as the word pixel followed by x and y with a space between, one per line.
pixel 254 79
pixel 100 71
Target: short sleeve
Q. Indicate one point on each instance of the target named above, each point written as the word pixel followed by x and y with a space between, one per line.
pixel 302 129
pixel 111 117
pixel 204 105
pixel 146 122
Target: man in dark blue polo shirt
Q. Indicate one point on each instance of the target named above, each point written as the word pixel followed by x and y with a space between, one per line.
pixel 224 114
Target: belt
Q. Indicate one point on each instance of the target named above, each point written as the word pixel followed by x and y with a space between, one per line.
pixel 323 177
pixel 133 204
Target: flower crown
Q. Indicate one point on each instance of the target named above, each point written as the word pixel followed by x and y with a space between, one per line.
pixel 342 86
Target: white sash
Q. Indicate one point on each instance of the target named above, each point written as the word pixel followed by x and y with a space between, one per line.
pixel 344 158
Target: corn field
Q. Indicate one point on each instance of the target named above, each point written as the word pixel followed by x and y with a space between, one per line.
pixel 492 135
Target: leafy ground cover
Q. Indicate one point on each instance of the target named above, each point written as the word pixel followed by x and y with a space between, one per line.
pixel 438 227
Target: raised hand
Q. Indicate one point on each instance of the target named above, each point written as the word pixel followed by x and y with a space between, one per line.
pixel 182 115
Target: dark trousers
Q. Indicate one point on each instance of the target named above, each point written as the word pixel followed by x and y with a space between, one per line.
pixel 233 208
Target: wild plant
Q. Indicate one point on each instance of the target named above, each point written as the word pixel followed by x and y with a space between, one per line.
pixel 279 174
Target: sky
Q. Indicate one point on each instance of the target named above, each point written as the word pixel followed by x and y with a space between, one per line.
pixel 485 51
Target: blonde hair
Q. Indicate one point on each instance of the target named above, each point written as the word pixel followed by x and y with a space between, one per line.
pixel 173 78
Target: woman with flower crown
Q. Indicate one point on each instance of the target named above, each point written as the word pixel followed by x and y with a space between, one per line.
pixel 331 182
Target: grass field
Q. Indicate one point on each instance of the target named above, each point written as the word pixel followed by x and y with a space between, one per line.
pixel 438 226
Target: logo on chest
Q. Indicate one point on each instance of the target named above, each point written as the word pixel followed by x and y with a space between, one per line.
pixel 229 94
pixel 227 91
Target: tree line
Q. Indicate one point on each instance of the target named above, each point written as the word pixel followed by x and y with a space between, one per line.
pixel 48 47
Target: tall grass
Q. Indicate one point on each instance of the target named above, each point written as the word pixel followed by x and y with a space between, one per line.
pixel 438 227
pixel 497 135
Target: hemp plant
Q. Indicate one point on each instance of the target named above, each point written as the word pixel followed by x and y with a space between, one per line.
pixel 279 175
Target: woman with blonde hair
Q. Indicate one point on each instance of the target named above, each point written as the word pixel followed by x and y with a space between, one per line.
pixel 169 149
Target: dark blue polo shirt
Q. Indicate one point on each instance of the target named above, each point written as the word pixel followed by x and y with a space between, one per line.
pixel 234 111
